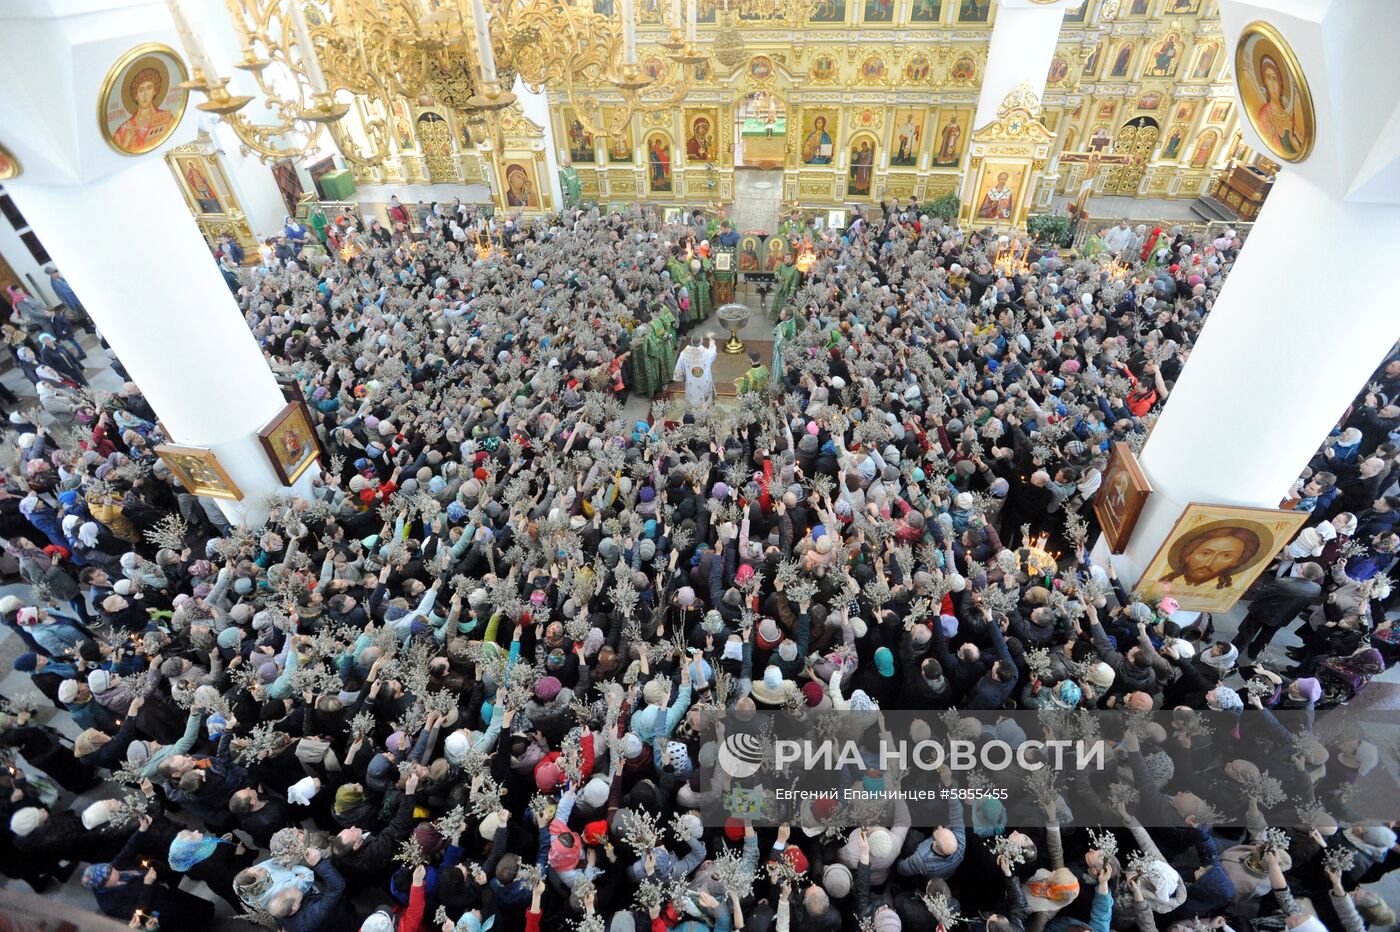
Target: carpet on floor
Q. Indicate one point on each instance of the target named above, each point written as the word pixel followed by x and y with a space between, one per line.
pixel 727 368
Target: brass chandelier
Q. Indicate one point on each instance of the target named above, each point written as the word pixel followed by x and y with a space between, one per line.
pixel 463 53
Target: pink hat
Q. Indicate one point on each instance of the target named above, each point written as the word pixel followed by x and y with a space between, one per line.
pixel 547 688
pixel 547 776
pixel 744 574
pixel 1168 606
pixel 1070 365
pixel 1308 688
pixel 812 428
pixel 813 693
pixel 564 856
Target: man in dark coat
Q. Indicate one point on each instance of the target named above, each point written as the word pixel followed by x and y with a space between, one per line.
pixel 1274 603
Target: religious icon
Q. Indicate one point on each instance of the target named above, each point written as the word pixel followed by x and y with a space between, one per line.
pixel 761 68
pixel 1184 111
pixel 724 260
pixel 829 11
pixel 1219 112
pixel 654 67
pixel 1091 64
pixel 1121 495
pixel 141 102
pixel 620 140
pixel 974 11
pixel 1149 101
pixel 1205 60
pixel 9 165
pixel 862 181
pixel 872 69
pixel 1275 93
pixel 917 69
pixel 199 471
pixel 290 442
pixel 1182 7
pixel 774 248
pixel 581 147
pixel 1164 58
pixel 1059 69
pixel 700 135
pixel 1121 60
pixel 1106 109
pixel 963 69
pixel 926 11
pixel 1214 553
pixel 1172 150
pixel 836 219
pixel 197 182
pixel 823 68
pixel 1139 8
pixel 818 145
pixel 658 163
pixel 604 7
pixel 908 137
pixel 748 253
pixel 521 188
pixel 948 141
pixel 997 200
pixel 879 11
pixel 403 129
pixel 1205 147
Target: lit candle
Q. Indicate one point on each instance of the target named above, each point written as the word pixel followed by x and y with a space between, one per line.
pixel 629 33
pixel 483 42
pixel 198 57
pixel 308 51
pixel 690 20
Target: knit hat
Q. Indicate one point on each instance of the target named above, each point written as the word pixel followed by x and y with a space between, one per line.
pixel 548 776
pixel 67 691
pixel 884 661
pixel 95 876
pixel 547 688
pixel 378 921
pixel 1309 688
pixel 836 878
pixel 26 820
pixel 1160 767
pixel 769 690
pixel 1050 891
pixel 768 634
pixel 1224 699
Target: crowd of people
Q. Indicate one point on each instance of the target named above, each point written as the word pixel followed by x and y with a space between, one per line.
pixel 471 682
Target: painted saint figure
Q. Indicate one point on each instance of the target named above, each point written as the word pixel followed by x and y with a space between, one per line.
pixel 817 147
pixel 999 201
pixel 145 128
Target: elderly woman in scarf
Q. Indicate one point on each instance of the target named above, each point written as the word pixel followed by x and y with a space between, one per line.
pixel 216 861
pixel 44 518
pixel 126 888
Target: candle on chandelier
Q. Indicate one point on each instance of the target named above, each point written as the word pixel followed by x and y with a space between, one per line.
pixel 690 21
pixel 308 51
pixel 483 42
pixel 676 14
pixel 198 57
pixel 629 33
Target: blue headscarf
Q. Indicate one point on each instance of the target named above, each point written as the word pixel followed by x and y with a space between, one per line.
pixel 185 853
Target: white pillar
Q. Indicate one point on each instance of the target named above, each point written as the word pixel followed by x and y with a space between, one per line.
pixel 159 299
pixel 1284 351
pixel 1023 43
pixel 536 108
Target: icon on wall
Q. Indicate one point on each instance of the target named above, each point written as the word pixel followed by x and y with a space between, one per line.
pixel 141 101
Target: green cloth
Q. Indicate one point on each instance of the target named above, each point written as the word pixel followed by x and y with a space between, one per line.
pixel 1092 246
pixel 789 277
pixel 784 332
pixel 654 354
pixel 318 223
pixel 702 299
pixel 571 186
pixel 681 277
pixel 755 380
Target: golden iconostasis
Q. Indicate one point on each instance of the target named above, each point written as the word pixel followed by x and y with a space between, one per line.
pixel 855 100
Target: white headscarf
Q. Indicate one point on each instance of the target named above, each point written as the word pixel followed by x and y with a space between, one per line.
pixel 87 534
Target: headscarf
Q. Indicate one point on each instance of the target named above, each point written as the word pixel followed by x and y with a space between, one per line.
pixel 87 534
pixel 187 852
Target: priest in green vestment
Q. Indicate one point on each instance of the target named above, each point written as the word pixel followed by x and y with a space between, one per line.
pixel 789 277
pixel 702 300
pixel 569 184
pixel 756 379
pixel 783 334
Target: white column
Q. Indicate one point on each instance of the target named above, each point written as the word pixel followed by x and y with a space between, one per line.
pixel 159 299
pixel 1024 35
pixel 1283 353
pixel 536 108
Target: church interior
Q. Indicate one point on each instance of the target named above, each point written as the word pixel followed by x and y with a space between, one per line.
pixel 589 465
